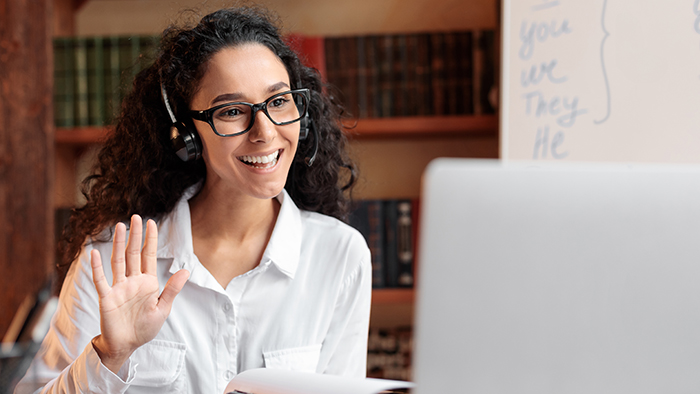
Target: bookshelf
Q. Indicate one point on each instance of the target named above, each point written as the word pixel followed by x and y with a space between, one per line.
pixel 393 296
pixel 399 127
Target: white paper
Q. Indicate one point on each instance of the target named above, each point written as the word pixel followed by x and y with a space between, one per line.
pixel 278 381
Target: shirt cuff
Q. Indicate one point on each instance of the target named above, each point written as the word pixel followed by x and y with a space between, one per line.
pixel 99 378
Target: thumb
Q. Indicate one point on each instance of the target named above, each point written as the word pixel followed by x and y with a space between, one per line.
pixel 171 290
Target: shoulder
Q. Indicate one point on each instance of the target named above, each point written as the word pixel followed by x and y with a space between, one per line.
pixel 317 226
pixel 334 240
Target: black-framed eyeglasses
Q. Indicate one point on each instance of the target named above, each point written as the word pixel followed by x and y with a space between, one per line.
pixel 231 119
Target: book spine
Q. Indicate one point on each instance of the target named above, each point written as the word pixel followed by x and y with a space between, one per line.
pixel 400 76
pixel 386 65
pixel 372 59
pixel 465 92
pixel 112 78
pixel 488 74
pixel 411 66
pixel 368 219
pixel 376 243
pixel 424 91
pixel 391 234
pixel 82 116
pixel 331 56
pixel 477 70
pixel 451 74
pixel 126 67
pixel 361 77
pixel 351 69
pixel 96 83
pixel 437 72
pixel 342 70
pixel 63 83
pixel 404 244
pixel 389 353
pixel 135 58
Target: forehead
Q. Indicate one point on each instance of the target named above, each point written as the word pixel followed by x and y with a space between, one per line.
pixel 243 66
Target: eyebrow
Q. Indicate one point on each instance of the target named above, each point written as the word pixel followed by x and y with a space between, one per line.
pixel 229 97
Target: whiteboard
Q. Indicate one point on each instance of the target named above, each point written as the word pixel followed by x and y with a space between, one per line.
pixel 601 80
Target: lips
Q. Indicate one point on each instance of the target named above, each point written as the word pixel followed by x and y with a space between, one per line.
pixel 266 161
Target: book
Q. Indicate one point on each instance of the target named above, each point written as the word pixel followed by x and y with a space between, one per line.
pixel 63 82
pixel 389 353
pixel 465 95
pixel 391 262
pixel 368 219
pixel 386 67
pixel 348 49
pixel 424 93
pixel 398 243
pixel 82 117
pixel 280 381
pixel 488 75
pixel 371 59
pixel 362 73
pixel 112 78
pixel 95 81
pixel 400 76
pixel 405 250
pixel 451 72
pixel 437 73
pixel 411 79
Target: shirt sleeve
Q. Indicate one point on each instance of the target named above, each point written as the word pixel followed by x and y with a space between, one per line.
pixel 347 339
pixel 67 362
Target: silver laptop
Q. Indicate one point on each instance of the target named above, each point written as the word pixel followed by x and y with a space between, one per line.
pixel 552 279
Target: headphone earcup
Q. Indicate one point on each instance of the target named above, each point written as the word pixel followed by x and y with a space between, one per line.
pixel 304 127
pixel 185 142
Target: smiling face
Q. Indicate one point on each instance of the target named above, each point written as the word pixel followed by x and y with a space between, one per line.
pixel 256 163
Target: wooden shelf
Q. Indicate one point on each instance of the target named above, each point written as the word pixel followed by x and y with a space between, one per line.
pixel 419 126
pixel 81 135
pixel 392 296
pixel 427 126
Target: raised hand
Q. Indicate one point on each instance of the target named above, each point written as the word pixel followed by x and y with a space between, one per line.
pixel 132 311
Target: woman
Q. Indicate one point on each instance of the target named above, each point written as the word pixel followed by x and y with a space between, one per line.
pixel 248 265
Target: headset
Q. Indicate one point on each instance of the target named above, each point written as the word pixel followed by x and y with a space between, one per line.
pixel 188 146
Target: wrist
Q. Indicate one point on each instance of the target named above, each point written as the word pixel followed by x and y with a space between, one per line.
pixel 111 359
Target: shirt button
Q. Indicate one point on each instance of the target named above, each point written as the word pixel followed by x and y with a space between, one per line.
pixel 227 307
pixel 228 375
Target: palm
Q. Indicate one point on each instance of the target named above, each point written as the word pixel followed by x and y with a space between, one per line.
pixel 130 313
pixel 132 310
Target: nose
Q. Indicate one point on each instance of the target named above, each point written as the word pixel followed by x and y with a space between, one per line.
pixel 263 130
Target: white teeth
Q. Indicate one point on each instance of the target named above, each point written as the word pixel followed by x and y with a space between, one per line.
pixel 271 158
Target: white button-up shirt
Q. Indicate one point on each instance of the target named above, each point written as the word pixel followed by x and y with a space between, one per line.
pixel 304 307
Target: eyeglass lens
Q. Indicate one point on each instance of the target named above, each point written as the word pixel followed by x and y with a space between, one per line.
pixel 281 109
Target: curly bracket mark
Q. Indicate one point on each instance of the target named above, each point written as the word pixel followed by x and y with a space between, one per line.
pixel 602 63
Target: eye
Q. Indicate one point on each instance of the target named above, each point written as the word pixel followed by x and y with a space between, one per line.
pixel 231 113
pixel 278 102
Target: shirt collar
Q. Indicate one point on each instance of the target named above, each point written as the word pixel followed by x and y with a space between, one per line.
pixel 283 249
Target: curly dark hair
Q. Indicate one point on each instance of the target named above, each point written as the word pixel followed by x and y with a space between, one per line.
pixel 138 172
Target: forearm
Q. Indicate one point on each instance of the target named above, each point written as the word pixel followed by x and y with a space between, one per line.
pixel 86 374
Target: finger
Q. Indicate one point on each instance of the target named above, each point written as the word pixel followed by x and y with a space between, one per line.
pixel 171 290
pixel 133 247
pixel 118 248
pixel 148 255
pixel 98 274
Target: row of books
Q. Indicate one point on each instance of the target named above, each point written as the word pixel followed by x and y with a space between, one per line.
pixel 389 227
pixel 389 353
pixel 443 73
pixel 92 74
